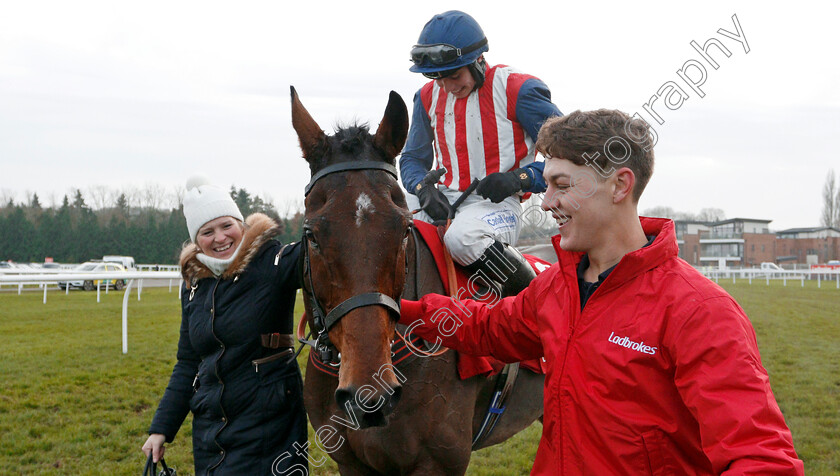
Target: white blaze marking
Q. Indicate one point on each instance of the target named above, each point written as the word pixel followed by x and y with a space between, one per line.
pixel 363 205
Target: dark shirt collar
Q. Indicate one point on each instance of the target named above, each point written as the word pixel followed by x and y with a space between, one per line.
pixel 584 264
pixel 587 289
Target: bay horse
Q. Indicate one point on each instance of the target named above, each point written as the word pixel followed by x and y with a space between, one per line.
pixel 359 257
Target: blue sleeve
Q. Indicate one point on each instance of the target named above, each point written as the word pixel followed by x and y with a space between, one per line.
pixel 533 107
pixel 535 170
pixel 418 154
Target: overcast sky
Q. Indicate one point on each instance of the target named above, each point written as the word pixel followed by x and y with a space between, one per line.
pixel 133 94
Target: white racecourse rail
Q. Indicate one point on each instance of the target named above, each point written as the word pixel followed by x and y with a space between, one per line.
pixel 39 277
pixel 818 275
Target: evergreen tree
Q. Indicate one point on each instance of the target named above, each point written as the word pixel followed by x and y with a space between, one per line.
pixel 73 232
pixel 122 208
pixel 44 237
pixel 242 199
pixel 88 236
pixel 18 231
pixel 176 236
pixel 5 238
pixel 79 200
pixel 61 235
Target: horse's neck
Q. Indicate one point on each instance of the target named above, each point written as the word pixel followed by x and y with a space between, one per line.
pixel 423 277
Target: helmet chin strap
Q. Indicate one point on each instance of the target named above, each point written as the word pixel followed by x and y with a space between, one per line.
pixel 478 70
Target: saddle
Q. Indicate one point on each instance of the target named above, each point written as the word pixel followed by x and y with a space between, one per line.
pixel 468 365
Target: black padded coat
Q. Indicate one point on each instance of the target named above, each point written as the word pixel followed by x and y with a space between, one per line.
pixel 246 416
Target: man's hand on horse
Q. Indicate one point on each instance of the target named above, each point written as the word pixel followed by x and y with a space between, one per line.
pixel 500 185
pixel 432 200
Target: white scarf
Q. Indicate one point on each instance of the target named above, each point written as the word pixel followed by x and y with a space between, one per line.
pixel 218 266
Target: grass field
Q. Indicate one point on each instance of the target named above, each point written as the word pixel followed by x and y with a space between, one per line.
pixel 72 403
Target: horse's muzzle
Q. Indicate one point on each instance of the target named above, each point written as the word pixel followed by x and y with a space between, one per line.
pixel 368 405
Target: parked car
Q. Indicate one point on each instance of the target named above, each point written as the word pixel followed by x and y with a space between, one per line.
pixel 770 267
pixel 126 261
pixel 95 267
pixel 771 270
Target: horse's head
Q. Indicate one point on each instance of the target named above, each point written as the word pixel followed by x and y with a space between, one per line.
pixel 356 226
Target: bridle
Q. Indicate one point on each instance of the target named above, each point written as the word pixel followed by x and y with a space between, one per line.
pixel 323 321
pixel 348 166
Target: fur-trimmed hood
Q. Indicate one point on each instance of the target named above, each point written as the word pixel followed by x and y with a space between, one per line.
pixel 259 229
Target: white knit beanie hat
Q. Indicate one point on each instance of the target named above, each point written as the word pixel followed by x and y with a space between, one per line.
pixel 204 202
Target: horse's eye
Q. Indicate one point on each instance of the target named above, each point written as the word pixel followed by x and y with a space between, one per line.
pixel 310 237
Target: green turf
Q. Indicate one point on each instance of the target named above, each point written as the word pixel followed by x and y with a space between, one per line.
pixel 72 403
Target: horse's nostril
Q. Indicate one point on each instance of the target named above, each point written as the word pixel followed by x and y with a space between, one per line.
pixel 342 396
pixel 395 398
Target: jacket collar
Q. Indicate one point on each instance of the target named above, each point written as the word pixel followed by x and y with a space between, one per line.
pixel 259 229
pixel 635 263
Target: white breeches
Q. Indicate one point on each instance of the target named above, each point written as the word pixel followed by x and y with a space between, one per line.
pixel 477 223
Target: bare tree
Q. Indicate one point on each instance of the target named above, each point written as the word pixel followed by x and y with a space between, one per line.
pixel 178 192
pixel 831 200
pixel 660 211
pixel 6 196
pixel 54 201
pixel 837 207
pixel 101 197
pixel 668 212
pixel 153 195
pixel 32 200
pixel 289 207
pixel 132 196
pixel 711 214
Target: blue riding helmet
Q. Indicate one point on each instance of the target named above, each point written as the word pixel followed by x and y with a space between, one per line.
pixel 448 41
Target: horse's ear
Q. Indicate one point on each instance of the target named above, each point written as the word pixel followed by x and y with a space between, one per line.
pixel 308 131
pixel 391 134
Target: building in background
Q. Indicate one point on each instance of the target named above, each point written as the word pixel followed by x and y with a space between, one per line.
pixel 808 245
pixel 747 242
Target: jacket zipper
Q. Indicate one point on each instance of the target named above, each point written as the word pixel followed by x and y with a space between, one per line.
pixel 216 365
pixel 561 396
pixel 572 322
pixel 277 258
pixel 576 315
pixel 271 358
pixel 193 287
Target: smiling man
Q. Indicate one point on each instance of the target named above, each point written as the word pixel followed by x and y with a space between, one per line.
pixel 652 368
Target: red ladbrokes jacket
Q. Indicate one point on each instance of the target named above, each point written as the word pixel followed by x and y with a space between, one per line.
pixel 659 374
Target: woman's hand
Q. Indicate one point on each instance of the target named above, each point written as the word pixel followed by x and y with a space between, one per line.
pixel 155 445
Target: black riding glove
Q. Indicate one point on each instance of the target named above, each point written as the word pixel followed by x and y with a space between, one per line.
pixel 500 185
pixel 432 200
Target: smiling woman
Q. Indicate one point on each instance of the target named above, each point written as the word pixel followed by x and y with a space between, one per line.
pixel 220 238
pixel 236 371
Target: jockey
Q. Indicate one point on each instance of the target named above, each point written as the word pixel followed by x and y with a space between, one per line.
pixel 479 122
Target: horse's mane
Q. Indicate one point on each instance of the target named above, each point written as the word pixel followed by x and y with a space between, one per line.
pixel 351 139
pixel 353 142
